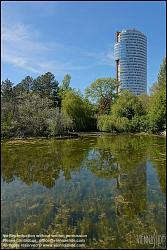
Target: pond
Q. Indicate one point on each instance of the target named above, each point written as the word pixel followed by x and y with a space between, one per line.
pixel 110 188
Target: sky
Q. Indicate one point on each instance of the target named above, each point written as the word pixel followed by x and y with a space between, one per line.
pixel 76 38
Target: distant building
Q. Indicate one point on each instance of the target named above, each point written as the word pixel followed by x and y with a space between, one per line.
pixel 130 52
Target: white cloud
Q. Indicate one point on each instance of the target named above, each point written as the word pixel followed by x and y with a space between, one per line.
pixel 21 47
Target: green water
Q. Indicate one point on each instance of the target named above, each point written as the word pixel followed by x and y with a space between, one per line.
pixel 110 188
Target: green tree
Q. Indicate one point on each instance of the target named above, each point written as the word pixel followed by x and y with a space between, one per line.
pixel 66 82
pixel 59 123
pixel 161 78
pixel 24 86
pixel 127 105
pixel 128 113
pixel 47 86
pixel 103 93
pixel 78 110
pixel 145 100
pixel 34 113
pixel 64 87
pixel 6 89
pixel 38 117
pixel 157 107
pixel 8 109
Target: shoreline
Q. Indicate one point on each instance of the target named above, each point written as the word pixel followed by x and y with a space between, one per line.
pixel 74 135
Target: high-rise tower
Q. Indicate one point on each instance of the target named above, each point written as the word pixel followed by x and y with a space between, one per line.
pixel 130 52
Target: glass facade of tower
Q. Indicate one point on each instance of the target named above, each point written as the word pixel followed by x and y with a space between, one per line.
pixel 130 52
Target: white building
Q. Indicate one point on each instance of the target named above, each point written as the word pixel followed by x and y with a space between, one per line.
pixel 130 52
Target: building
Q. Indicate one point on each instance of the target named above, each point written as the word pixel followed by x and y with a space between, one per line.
pixel 130 52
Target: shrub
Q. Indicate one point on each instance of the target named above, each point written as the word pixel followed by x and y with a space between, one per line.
pixel 121 124
pixel 105 123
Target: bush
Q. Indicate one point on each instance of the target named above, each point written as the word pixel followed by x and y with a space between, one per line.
pixel 139 124
pixel 105 123
pixel 79 110
pixel 59 123
pixel 121 124
pixel 9 125
pixel 128 105
pixel 109 123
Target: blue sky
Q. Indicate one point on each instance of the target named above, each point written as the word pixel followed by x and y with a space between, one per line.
pixel 76 38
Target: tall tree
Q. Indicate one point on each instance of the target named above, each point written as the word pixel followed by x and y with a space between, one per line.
pixel 24 86
pixel 157 107
pixel 8 109
pixel 66 82
pixel 47 86
pixel 161 81
pixel 65 86
pixel 7 90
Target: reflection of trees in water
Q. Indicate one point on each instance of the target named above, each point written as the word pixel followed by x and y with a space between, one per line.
pixel 132 191
pixel 106 200
pixel 133 150
pixel 157 154
pixel 102 163
pixel 123 158
pixel 43 163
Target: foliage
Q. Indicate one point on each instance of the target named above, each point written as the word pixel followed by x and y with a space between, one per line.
pixel 25 86
pixel 105 123
pixel 46 86
pixel 41 107
pixel 38 117
pixel 7 90
pixel 66 82
pixel 64 87
pixel 34 112
pixel 131 113
pixel 126 115
pixel 103 93
pixel 157 107
pixel 30 108
pixel 59 123
pixel 127 105
pixel 8 109
pixel 139 124
pixel 9 124
pixel 145 100
pixel 78 109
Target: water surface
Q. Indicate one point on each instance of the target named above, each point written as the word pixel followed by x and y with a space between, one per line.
pixel 111 188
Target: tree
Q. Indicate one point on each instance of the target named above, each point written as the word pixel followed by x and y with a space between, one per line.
pixel 33 114
pixel 127 105
pixel 78 110
pixel 105 123
pixel 157 107
pixel 47 86
pixel 8 109
pixel 161 79
pixel 66 82
pixel 59 123
pixel 7 90
pixel 128 113
pixel 65 86
pixel 37 117
pixel 24 86
pixel 145 100
pixel 103 93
